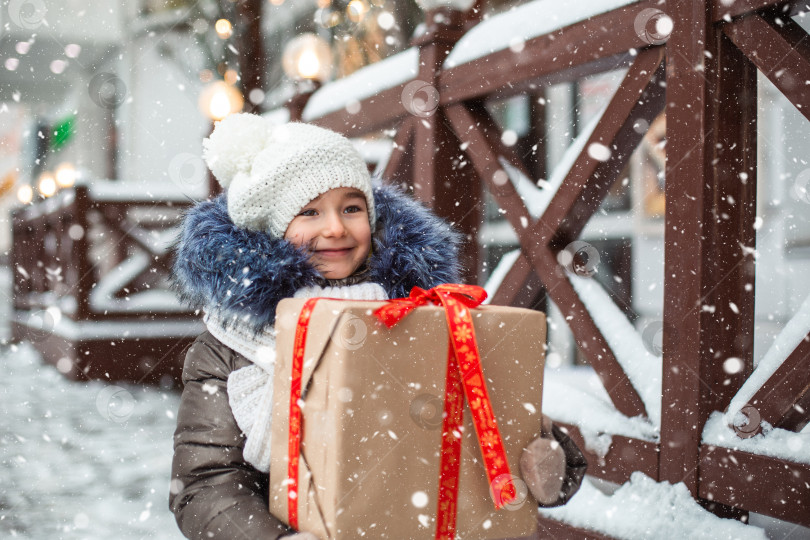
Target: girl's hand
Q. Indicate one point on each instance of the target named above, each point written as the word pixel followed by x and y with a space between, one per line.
pixel 543 466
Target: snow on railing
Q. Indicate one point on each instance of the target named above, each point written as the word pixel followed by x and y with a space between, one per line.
pixel 131 191
pixel 103 299
pixel 785 343
pixel 643 508
pixel 773 442
pixel 642 368
pixel 512 28
pixel 575 395
pixel 364 83
pixel 537 198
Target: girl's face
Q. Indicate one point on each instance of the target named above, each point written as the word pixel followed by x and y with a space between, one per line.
pixel 334 228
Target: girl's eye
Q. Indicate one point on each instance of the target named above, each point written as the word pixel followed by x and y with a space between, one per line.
pixel 307 212
pixel 352 209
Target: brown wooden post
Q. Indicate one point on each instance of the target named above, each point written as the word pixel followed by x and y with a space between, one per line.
pixel 440 180
pixel 252 63
pixel 729 228
pixel 708 282
pixel 85 270
pixel 688 148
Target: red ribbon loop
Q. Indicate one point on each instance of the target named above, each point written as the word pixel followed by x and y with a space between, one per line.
pixel 397 309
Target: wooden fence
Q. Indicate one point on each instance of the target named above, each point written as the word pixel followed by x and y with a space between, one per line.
pixel 90 287
pixel 702 75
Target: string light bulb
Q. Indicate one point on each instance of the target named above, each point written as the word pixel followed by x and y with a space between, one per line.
pixel 224 28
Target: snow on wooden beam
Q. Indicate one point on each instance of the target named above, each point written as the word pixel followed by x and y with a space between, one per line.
pixel 566 54
pixel 360 118
pixel 776 400
pixel 639 98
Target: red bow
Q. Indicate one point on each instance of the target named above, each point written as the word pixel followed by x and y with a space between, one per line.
pixel 398 308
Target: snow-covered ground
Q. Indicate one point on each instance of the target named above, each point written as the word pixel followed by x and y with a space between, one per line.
pixel 82 460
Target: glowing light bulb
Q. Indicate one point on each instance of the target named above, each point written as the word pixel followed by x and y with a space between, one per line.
pixel 47 185
pixel 224 28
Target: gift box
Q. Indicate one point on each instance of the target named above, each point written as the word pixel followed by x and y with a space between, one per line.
pixel 370 448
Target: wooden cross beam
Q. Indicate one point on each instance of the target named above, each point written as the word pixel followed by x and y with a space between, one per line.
pixel 639 97
pixel 780 50
pixel 782 399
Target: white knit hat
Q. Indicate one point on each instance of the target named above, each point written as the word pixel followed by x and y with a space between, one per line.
pixel 272 171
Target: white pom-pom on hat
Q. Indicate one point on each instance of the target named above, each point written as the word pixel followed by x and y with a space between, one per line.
pixel 234 144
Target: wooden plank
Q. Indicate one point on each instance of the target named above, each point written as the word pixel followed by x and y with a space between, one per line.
pixel 377 112
pixel 252 59
pixel 781 53
pixel 550 529
pixel 588 336
pixel 783 390
pixel 513 284
pixel 689 141
pixel 607 35
pixel 761 484
pixel 626 455
pixel 797 418
pixel 157 360
pixel 84 268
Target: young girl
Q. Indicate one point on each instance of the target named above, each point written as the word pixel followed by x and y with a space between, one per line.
pixel 299 218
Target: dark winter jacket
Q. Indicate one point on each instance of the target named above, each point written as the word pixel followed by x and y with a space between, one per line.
pixel 215 493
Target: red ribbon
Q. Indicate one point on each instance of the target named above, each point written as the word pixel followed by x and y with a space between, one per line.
pixel 464 377
pixel 294 440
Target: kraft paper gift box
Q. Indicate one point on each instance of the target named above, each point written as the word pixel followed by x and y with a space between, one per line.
pixel 372 407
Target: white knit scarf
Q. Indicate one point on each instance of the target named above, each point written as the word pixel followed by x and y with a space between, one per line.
pixel 250 389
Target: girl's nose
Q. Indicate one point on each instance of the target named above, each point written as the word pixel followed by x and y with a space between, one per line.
pixel 334 226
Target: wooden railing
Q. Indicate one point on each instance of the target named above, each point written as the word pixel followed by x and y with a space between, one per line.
pixel 90 287
pixel 703 77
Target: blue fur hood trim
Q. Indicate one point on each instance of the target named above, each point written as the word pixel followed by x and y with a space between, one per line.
pixel 244 274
